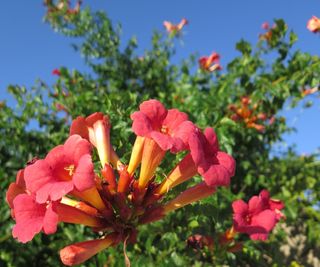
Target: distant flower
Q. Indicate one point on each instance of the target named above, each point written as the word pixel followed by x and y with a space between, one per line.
pixel 210 63
pixel 258 217
pixel 200 241
pixel 268 34
pixel 313 24
pixel 175 28
pixel 309 91
pixel 265 26
pixel 247 114
pixel 56 72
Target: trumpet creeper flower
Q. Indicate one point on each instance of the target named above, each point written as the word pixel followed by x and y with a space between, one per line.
pixel 258 217
pixel 66 167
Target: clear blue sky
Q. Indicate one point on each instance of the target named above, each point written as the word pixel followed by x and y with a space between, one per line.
pixel 29 49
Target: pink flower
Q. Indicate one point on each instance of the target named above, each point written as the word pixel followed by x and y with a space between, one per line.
pixel 66 167
pixel 56 72
pixel 32 217
pixel 265 26
pixel 172 28
pixel 170 129
pixel 313 24
pixel 210 63
pixel 258 217
pixel 215 166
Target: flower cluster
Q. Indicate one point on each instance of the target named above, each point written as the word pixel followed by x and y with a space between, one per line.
pixel 210 63
pixel 248 115
pixel 62 7
pixel 115 198
pixel 267 36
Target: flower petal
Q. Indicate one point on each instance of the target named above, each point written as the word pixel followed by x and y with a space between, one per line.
pixel 83 177
pixel 75 147
pixel 163 140
pixel 227 162
pixel 37 175
pixel 155 112
pixel 78 126
pixel 174 118
pixel 216 175
pixel 141 125
pixel 30 218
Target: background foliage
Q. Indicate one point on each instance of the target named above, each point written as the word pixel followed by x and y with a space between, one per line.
pixel 272 72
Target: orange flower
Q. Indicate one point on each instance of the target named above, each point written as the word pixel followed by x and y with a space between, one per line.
pixel 313 24
pixel 80 252
pixel 309 91
pixel 247 114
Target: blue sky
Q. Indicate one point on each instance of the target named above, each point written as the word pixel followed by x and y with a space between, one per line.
pixel 29 49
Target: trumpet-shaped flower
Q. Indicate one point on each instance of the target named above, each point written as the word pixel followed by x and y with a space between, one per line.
pixel 309 91
pixel 215 166
pixel 168 128
pixel 66 167
pixel 163 130
pixel 313 24
pixel 80 252
pixel 96 129
pixel 210 63
pixel 172 28
pixel 258 217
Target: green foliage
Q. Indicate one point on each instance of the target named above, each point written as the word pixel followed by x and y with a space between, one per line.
pixel 119 80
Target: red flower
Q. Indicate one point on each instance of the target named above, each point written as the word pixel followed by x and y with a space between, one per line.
pixel 215 166
pixel 170 129
pixel 56 72
pixel 313 24
pixel 210 63
pixel 66 167
pixel 258 217
pixel 32 217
